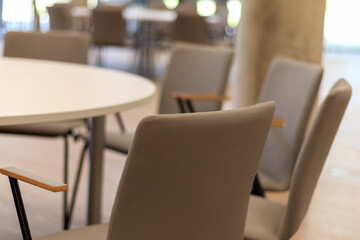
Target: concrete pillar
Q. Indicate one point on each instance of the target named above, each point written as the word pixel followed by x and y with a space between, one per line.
pixel 274 27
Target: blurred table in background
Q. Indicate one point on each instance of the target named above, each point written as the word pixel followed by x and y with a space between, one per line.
pixel 81 15
pixel 145 18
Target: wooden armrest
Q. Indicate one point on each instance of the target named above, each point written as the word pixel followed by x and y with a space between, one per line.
pixel 199 96
pixel 278 123
pixel 34 179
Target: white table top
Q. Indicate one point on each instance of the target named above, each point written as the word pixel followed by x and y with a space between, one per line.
pixel 34 91
pixel 148 14
pixel 80 11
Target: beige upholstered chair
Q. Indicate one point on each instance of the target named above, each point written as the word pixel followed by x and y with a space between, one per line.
pixel 190 27
pixel 60 17
pixel 157 4
pixel 293 85
pixel 192 69
pixel 182 186
pixel 57 46
pixel 268 220
pixel 108 27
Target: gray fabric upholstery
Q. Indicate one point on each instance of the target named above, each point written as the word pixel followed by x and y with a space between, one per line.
pixel 57 45
pixel 190 183
pixel 263 218
pixel 190 27
pixel 105 31
pixel 60 17
pixel 116 141
pixel 192 69
pixel 268 220
pixel 293 85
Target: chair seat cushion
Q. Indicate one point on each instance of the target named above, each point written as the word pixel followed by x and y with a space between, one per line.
pixel 119 141
pixel 263 218
pixel 94 232
pixel 269 184
pixel 43 129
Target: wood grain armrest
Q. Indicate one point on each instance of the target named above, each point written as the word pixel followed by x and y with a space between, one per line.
pixel 278 123
pixel 198 96
pixel 34 179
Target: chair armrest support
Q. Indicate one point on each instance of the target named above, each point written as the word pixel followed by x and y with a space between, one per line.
pixel 189 97
pixel 278 123
pixel 34 179
pixel 198 96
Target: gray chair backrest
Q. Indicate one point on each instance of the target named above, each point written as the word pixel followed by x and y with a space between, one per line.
pixel 109 25
pixel 188 7
pixel 60 17
pixel 157 4
pixel 194 180
pixel 312 156
pixel 293 85
pixel 57 46
pixel 195 69
pixel 190 27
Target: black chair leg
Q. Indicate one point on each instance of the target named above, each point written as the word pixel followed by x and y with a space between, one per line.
pixel 181 105
pixel 257 188
pixel 120 122
pixel 65 196
pixel 20 209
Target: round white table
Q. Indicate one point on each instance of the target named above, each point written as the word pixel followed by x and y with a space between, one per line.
pixel 35 91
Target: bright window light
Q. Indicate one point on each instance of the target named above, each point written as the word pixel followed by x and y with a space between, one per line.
pixel 340 31
pixel 206 8
pixel 92 3
pixel 17 11
pixel 171 4
pixel 234 13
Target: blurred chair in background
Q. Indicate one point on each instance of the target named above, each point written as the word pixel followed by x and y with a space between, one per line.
pixel 293 85
pixel 60 17
pixel 192 69
pixel 189 27
pixel 56 46
pixel 108 27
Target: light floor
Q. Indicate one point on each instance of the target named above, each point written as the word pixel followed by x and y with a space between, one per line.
pixel 333 214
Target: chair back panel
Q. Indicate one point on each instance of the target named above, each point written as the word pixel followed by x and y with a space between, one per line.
pixel 109 25
pixel 195 69
pixel 189 176
pixel 60 17
pixel 57 46
pixel 189 27
pixel 293 85
pixel 157 4
pixel 312 156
